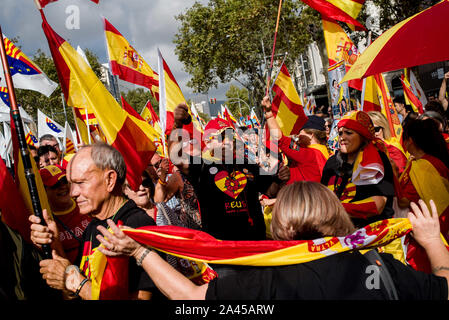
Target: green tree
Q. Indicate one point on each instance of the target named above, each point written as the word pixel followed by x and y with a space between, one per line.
pixel 228 40
pixel 139 97
pixel 237 99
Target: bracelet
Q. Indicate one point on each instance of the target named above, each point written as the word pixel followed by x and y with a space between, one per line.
pixel 77 292
pixel 162 182
pixel 144 254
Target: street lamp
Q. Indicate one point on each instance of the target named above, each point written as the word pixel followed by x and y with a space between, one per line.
pixel 240 107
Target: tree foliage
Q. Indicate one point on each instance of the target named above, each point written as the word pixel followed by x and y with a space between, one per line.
pixel 222 41
pixel 138 99
pixel 236 99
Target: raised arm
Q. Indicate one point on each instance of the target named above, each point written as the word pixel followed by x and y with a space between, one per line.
pixel 170 282
pixel 181 118
pixel 426 231
pixel 273 126
pixel 442 92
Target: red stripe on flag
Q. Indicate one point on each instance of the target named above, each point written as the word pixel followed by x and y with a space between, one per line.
pixel 133 76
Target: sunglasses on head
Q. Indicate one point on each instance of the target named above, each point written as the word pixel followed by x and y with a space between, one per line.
pixel 377 129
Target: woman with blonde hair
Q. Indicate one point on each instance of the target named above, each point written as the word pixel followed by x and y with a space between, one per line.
pixel 308 210
pixel 395 150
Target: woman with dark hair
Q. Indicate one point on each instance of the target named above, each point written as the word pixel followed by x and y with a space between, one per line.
pixel 360 173
pixel 426 177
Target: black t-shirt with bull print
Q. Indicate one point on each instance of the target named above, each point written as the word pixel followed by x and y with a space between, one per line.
pixel 228 196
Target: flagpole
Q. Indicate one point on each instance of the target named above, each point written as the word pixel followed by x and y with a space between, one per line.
pixel 274 48
pixel 25 153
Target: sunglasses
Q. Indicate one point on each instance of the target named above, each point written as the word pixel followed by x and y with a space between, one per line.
pixel 377 129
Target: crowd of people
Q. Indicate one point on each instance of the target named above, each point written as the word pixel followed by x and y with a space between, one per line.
pixel 240 187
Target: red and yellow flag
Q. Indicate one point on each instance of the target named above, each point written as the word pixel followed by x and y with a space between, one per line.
pixel 200 246
pixel 340 48
pixel 340 10
pixel 286 105
pixel 388 108
pixel 370 99
pixel 82 88
pixel 410 96
pixel 126 62
pixel 170 96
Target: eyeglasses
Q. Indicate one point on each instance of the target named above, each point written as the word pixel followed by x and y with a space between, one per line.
pixel 377 129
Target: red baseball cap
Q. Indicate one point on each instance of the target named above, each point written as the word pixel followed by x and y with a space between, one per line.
pixel 216 126
pixel 52 174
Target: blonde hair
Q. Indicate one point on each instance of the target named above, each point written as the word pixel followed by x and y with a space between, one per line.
pixel 379 119
pixel 308 210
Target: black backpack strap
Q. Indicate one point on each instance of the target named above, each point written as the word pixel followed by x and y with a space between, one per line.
pixel 374 258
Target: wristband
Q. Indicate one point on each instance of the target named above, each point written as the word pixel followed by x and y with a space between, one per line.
pixel 77 292
pixel 161 182
pixel 144 254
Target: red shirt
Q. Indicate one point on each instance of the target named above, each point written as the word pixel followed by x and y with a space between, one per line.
pixel 308 162
pixel 75 222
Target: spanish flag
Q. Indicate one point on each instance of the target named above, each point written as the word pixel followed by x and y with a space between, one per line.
pixel 388 108
pixel 286 105
pixel 340 48
pixel 370 99
pixel 170 96
pixel 341 10
pixel 154 134
pixel 82 88
pixel 126 62
pixel 200 246
pixel 410 96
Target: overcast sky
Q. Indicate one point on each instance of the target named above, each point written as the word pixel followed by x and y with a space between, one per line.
pixel 146 24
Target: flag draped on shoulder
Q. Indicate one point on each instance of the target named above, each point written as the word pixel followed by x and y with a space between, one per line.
pixel 286 105
pixel 82 89
pixel 126 62
pixel 25 74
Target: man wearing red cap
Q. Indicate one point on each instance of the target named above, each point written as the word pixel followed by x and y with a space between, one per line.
pixel 71 224
pixel 227 185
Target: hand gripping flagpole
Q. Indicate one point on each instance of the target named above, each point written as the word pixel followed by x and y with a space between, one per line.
pixel 15 115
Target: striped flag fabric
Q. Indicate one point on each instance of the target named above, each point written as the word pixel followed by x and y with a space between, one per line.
pixel 341 10
pixel 25 74
pixel 388 108
pixel 410 96
pixel 126 62
pixel 69 141
pixel 30 138
pixel 81 87
pixel 170 96
pixel 286 104
pixel 200 246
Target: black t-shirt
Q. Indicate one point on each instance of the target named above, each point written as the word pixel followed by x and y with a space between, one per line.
pixel 344 276
pixel 228 196
pixel 384 188
pixel 128 215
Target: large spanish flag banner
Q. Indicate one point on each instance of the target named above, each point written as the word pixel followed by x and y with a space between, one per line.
pixel 126 62
pixel 286 105
pixel 341 10
pixel 200 246
pixel 82 88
